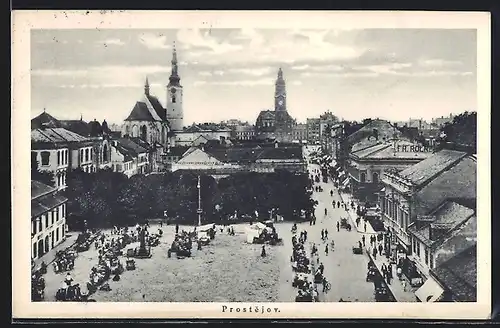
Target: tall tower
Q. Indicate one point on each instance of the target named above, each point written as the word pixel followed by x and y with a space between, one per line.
pixel 175 113
pixel 280 93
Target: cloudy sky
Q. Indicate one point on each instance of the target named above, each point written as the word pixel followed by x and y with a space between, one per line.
pixel 229 73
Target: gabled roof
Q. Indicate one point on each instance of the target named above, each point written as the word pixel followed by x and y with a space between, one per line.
pixel 44 120
pixel 176 151
pixel 421 172
pixel 128 154
pixel 459 275
pixel 155 103
pixel 141 112
pixel 266 115
pixel 55 135
pixel 387 150
pixel 142 143
pixel 38 189
pixel 458 182
pixel 132 146
pixel 77 126
pixel 449 216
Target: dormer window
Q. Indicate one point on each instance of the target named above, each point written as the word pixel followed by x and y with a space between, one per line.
pixel 173 99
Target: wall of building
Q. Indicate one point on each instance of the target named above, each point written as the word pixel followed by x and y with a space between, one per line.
pixel 48 230
pixel 58 163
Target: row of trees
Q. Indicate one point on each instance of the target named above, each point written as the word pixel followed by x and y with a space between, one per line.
pixel 107 198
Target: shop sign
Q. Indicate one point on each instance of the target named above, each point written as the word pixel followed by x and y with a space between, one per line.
pixel 415 148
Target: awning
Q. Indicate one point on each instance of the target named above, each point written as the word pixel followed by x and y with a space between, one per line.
pixel 430 291
pixel 345 183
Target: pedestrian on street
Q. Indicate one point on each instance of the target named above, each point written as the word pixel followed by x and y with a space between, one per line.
pixel 403 282
pixel 338 226
pixel 305 235
pixel 374 253
pixel 326 233
pixel 357 221
pixel 364 226
pixel 359 244
pixel 322 234
pixel 380 249
pixel 338 204
pixel 177 228
pixel 363 240
pixel 333 204
pixel 326 249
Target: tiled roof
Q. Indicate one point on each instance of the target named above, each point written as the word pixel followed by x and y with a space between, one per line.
pixel 176 151
pixel 281 153
pixel 128 154
pixel 141 112
pixel 38 189
pixel 160 111
pixel 244 128
pixel 44 120
pixel 77 126
pixel 386 150
pixel 459 275
pixel 132 146
pixel 55 135
pixel 367 150
pixel 251 154
pixel 449 216
pixel 423 171
pixel 141 143
pixel 457 182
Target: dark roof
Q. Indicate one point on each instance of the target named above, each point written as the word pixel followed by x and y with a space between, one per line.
pixel 450 216
pixel 458 182
pixel 141 112
pixel 387 150
pixel 141 143
pixel 459 275
pixel 132 146
pixel 157 107
pixel 281 153
pixel 44 120
pixel 251 154
pixel 128 154
pixel 177 151
pixel 95 128
pixel 421 172
pixel 38 189
pixel 55 135
pixel 266 115
pixel 76 126
pixel 385 130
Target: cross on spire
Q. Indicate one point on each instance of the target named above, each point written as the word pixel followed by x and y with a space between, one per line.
pixel 174 76
pixel 146 87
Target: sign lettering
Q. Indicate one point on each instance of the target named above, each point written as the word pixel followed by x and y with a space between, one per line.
pixel 412 149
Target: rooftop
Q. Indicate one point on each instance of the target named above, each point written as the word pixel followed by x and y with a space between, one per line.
pixel 55 135
pixel 427 169
pixel 385 130
pixel 38 189
pixel 129 144
pixel 458 182
pixel 43 198
pixel 459 275
pixel 141 112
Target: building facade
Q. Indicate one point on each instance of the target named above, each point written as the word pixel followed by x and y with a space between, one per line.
pixel 48 219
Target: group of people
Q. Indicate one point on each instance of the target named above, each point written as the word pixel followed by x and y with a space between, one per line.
pixel 301 264
pixel 65 261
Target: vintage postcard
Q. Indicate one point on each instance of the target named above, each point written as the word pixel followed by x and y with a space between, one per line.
pixel 235 164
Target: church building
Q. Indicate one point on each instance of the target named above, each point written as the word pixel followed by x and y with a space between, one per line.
pixel 276 124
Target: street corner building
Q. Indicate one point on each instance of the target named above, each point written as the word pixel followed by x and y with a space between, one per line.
pixel 48 219
pixel 429 210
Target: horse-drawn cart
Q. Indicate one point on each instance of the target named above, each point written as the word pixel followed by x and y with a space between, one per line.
pixel 357 250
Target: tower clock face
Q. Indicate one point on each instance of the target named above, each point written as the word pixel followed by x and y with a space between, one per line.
pixel 173 90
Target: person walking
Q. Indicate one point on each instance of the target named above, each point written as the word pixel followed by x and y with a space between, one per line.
pixel 338 226
pixel 333 204
pixel 380 249
pixel 326 233
pixel 403 282
pixel 374 253
pixel 322 234
pixel 363 240
pixel 326 249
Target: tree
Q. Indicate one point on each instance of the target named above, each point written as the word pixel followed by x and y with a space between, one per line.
pixel 462 130
pixel 45 177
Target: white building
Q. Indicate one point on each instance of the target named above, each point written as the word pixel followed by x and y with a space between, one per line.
pixel 48 219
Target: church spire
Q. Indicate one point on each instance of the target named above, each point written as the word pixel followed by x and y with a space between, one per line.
pixel 146 87
pixel 174 76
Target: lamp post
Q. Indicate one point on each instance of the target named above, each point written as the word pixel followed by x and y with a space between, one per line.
pixel 199 211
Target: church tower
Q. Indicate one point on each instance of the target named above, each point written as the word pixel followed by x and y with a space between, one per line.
pixel 280 93
pixel 175 113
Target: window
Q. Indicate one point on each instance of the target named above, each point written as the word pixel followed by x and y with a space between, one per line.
pixel 33 227
pixel 53 216
pixel 86 155
pixel 47 219
pixel 66 156
pixel 45 157
pixel 58 157
pixel 363 177
pixel 57 234
pixel 56 212
pixel 431 261
pixel 426 254
pixel 375 178
pixel 418 249
pixel 105 153
pixel 173 100
pixel 91 154
pixel 63 214
pixel 39 220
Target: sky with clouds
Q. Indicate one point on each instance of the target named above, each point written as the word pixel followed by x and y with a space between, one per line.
pixel 229 73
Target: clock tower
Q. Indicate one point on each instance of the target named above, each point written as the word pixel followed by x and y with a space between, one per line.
pixel 280 93
pixel 175 113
